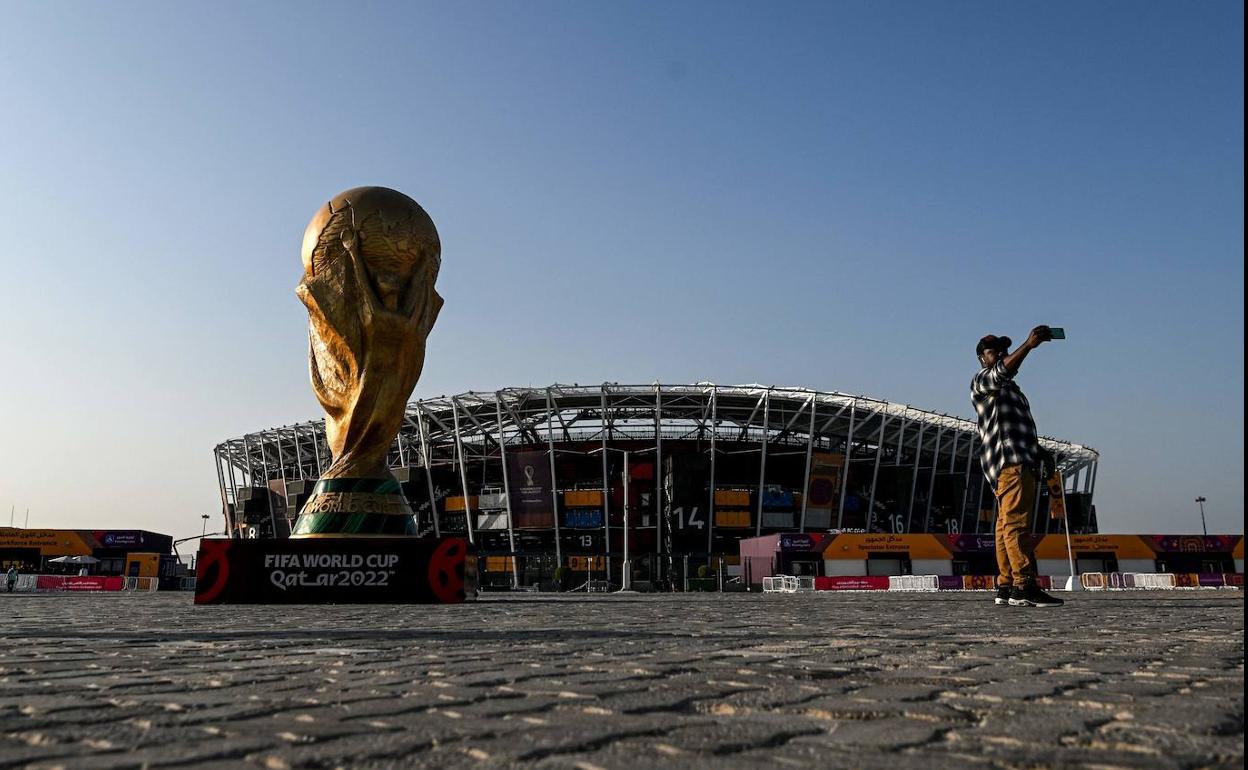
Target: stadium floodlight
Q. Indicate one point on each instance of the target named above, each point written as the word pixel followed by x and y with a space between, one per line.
pixel 1201 502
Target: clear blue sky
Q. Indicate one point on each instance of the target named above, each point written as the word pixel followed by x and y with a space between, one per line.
pixel 842 196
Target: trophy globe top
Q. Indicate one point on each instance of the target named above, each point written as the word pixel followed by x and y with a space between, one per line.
pixel 395 235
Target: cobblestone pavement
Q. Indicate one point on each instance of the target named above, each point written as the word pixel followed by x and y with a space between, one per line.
pixel 866 680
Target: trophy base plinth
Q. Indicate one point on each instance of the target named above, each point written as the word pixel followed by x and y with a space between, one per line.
pixel 336 570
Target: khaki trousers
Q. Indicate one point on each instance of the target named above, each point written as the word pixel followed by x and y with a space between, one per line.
pixel 1016 497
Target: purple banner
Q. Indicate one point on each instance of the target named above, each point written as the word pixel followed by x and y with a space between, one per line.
pixel 1192 543
pixel 800 542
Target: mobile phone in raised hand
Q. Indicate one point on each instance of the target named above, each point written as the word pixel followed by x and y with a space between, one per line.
pixel 1057 333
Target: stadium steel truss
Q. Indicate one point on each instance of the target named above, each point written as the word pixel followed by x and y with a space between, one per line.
pixel 759 459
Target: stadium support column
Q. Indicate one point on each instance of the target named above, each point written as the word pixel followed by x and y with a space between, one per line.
pixel 422 428
pixel 710 516
pixel 554 479
pixel 953 460
pixel 281 464
pixel 250 476
pixel 229 457
pixel 606 486
pixel 316 450
pixel 875 474
pixel 931 484
pixel 966 480
pixel 914 477
pixel 657 505
pixel 268 494
pixel 298 455
pixel 502 452
pixel 1070 484
pixel 225 502
pixel 463 473
pixel 810 448
pixel 849 451
pixel 762 462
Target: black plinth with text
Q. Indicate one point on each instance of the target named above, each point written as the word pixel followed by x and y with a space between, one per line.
pixel 342 570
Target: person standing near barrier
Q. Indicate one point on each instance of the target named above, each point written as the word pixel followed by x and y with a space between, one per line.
pixel 1010 456
pixel 11 578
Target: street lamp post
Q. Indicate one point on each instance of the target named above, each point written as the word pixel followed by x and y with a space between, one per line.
pixel 1201 502
pixel 204 531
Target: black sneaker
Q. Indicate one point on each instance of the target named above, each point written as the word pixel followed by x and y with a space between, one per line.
pixel 1030 595
pixel 1003 595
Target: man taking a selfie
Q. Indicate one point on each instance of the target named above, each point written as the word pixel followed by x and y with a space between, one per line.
pixel 1010 457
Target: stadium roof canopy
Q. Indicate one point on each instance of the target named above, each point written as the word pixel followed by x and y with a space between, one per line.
pixel 470 426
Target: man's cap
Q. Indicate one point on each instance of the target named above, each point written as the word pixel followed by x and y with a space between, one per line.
pixel 992 342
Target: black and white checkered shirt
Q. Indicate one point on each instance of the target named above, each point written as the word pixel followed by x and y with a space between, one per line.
pixel 1006 428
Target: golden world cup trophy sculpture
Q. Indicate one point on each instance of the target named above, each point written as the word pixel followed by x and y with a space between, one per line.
pixel 370 259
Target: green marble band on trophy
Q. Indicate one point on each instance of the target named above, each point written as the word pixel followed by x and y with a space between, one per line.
pixel 373 507
pixel 370 260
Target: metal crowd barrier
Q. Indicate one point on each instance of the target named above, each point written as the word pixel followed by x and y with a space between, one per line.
pixel 913 583
pixel 140 584
pixel 787 584
pixel 1122 581
pixel 1089 581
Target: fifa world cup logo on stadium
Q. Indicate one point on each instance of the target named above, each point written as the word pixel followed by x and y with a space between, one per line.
pixel 370 260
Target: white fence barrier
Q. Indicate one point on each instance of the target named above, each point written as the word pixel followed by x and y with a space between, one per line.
pixel 1088 581
pixel 1149 580
pixel 913 583
pixel 1121 581
pixel 786 584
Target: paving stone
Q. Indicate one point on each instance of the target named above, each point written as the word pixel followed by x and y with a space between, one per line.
pixel 888 681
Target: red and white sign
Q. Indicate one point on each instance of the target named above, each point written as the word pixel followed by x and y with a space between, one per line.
pixel 93 583
pixel 852 583
pixel 79 583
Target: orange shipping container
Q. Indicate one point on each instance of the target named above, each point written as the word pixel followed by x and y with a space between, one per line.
pixel 732 519
pixel 583 498
pixel 142 565
pixel 498 564
pixel 587 563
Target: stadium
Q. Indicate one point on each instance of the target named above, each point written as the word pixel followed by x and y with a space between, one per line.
pixel 673 476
